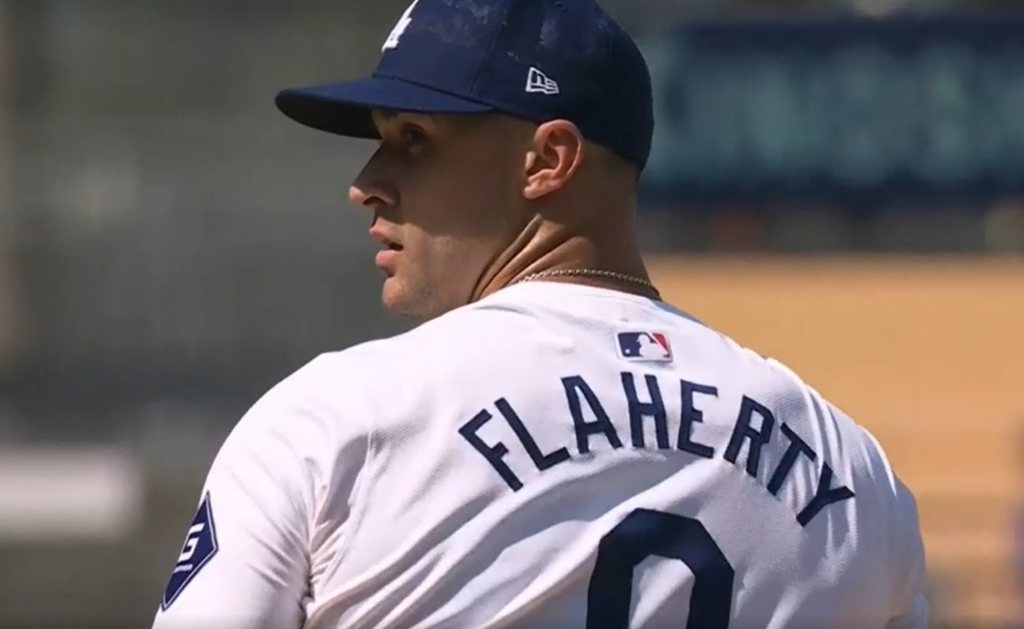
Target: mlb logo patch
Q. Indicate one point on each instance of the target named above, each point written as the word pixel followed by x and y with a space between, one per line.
pixel 648 346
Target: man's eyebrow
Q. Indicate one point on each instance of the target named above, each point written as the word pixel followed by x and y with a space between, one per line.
pixel 382 116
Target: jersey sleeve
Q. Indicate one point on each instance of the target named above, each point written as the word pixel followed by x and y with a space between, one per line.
pixel 915 610
pixel 246 559
pixel 916 616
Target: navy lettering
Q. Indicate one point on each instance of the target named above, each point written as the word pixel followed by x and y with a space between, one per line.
pixel 655 409
pixel 494 453
pixel 692 415
pixel 575 386
pixel 751 438
pixel 797 446
pixel 824 496
pixel 745 432
pixel 541 460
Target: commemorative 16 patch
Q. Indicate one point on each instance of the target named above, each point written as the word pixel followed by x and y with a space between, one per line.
pixel 199 548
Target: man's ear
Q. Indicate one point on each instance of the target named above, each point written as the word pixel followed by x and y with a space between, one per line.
pixel 554 156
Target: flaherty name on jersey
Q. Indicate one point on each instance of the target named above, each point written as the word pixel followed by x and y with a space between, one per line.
pixel 754 429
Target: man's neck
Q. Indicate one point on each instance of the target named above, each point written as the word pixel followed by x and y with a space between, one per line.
pixel 543 248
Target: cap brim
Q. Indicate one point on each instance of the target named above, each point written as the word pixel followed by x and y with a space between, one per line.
pixel 344 108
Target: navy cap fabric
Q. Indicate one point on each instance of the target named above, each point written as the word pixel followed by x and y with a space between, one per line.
pixel 537 60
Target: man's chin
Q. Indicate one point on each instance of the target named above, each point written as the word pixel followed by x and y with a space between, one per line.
pixel 399 298
pixel 391 295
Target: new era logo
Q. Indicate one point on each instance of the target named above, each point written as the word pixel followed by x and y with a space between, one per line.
pixel 647 346
pixel 538 83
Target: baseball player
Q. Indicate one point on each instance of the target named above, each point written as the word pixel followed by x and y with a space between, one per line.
pixel 554 446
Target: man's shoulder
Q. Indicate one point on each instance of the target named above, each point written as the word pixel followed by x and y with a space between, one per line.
pixel 319 401
pixel 352 380
pixel 474 332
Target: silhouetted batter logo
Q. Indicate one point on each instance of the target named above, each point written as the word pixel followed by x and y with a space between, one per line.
pixel 652 346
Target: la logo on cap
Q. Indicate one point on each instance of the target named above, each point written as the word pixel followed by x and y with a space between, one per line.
pixel 396 32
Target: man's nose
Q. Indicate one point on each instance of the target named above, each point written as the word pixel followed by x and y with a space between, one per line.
pixel 371 187
pixel 359 196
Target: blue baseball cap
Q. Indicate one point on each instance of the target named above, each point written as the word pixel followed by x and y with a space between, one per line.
pixel 537 60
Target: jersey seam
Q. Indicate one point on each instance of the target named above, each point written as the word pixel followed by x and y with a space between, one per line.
pixel 620 299
pixel 626 299
pixel 359 497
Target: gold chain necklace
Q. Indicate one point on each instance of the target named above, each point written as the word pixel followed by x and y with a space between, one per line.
pixel 611 275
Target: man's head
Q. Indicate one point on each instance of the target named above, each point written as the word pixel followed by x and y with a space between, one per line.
pixel 454 198
pixel 507 130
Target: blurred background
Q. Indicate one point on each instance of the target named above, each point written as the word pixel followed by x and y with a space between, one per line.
pixel 837 183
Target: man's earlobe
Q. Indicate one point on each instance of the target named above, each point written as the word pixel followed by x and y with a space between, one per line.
pixel 542 181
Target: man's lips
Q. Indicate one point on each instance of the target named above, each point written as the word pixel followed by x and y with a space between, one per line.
pixel 388 241
pixel 390 246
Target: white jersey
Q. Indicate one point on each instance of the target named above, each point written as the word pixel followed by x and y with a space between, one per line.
pixel 551 456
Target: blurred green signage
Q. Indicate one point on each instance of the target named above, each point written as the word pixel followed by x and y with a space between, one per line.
pixel 847 109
